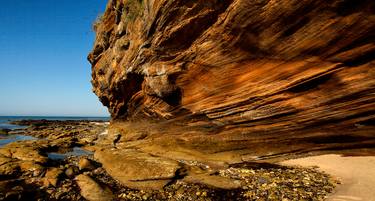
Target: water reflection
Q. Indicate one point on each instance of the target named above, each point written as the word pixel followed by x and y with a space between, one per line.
pixel 76 151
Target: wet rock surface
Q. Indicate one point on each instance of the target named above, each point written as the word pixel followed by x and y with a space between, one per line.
pixel 28 172
pixel 129 174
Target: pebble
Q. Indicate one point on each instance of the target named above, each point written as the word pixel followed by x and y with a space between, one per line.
pixel 71 172
pixel 85 164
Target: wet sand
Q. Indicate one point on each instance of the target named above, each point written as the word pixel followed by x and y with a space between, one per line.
pixel 357 175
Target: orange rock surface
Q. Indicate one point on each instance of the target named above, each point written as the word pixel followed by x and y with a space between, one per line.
pixel 237 80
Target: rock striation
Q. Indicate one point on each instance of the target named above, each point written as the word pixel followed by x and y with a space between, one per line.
pixel 226 81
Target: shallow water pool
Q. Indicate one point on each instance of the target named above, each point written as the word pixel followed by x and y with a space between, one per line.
pixel 76 151
pixel 6 139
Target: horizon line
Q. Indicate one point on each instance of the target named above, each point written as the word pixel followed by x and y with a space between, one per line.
pixel 49 116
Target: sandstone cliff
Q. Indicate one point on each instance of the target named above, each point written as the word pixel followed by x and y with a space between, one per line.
pixel 237 80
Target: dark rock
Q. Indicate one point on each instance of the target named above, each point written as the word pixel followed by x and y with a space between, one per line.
pixel 4 131
pixel 14 194
pixel 71 171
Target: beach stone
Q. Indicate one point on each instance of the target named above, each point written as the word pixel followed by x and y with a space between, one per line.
pixel 85 164
pixel 136 169
pixel 71 171
pixel 52 177
pixel 93 191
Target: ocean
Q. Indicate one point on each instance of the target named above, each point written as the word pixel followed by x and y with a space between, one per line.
pixel 4 120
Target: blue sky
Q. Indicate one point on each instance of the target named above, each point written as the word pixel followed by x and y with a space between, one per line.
pixel 43 50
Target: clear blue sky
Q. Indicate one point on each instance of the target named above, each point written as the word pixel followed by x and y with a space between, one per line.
pixel 43 50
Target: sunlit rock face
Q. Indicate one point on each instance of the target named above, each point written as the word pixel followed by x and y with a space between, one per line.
pixel 237 80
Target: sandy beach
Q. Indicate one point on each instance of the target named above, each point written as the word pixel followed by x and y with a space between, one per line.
pixel 357 175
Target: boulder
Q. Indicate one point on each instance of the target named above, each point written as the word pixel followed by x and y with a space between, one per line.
pixel 52 177
pixel 71 171
pixel 85 164
pixel 93 191
pixel 136 169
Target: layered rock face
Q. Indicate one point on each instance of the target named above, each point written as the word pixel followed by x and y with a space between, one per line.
pixel 237 80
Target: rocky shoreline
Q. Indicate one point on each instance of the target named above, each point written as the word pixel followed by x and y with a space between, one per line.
pixel 28 172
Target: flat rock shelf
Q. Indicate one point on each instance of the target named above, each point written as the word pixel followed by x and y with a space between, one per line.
pixel 29 170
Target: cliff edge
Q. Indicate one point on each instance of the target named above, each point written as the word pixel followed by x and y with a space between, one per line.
pixel 227 81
